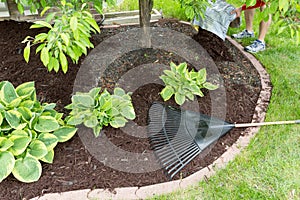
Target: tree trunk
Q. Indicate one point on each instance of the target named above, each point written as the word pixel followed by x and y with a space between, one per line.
pixel 13 10
pixel 145 17
pixel 145 12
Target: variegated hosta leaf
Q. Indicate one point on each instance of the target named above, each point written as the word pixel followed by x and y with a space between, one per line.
pixel 37 149
pixel 7 162
pixel 49 140
pixel 20 144
pixel 65 133
pixel 27 169
pixel 7 92
pixel 48 158
pixel 46 124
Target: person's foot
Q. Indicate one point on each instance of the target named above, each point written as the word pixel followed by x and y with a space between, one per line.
pixel 256 46
pixel 243 34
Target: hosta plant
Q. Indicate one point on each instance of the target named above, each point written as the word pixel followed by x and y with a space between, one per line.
pixel 29 131
pixel 96 110
pixel 184 84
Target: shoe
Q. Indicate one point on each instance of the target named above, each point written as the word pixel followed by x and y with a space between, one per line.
pixel 243 34
pixel 256 46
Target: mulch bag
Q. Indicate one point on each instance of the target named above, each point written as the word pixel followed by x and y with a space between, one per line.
pixel 217 18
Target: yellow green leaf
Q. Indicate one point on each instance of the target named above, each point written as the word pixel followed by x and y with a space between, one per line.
pixel 45 56
pixel 26 53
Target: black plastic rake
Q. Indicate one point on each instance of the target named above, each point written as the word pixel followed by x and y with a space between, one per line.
pixel 178 136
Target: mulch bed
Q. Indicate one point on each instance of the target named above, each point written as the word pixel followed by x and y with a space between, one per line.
pixel 74 167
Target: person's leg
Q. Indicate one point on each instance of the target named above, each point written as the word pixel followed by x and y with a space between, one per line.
pixel 249 16
pixel 259 44
pixel 263 27
pixel 248 32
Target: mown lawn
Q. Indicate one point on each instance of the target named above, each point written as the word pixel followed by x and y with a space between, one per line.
pixel 269 168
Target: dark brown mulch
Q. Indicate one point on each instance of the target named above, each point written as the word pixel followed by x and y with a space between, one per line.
pixel 74 168
pixel 219 52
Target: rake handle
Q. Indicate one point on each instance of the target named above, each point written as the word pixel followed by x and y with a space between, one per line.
pixel 266 123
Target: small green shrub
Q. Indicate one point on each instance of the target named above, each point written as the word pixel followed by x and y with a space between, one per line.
pixel 29 131
pixel 184 84
pixel 96 110
pixel 194 8
pixel 170 9
pixel 68 37
pixel 285 16
pixel 289 23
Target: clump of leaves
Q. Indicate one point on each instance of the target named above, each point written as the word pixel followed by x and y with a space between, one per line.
pixel 96 110
pixel 35 5
pixel 289 23
pixel 69 36
pixel 285 15
pixel 184 84
pixel 194 8
pixel 29 131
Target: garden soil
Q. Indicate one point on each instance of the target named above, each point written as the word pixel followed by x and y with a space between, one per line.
pixel 74 167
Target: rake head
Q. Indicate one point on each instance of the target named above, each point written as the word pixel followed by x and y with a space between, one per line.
pixel 177 136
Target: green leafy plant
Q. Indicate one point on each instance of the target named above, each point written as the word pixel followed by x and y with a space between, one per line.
pixel 194 8
pixel 40 4
pixel 96 110
pixel 29 131
pixel 68 37
pixel 285 15
pixel 290 22
pixel 184 84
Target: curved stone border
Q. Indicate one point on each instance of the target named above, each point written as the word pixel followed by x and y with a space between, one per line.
pixel 221 162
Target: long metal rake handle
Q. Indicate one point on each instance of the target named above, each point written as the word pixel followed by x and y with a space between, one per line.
pixel 256 124
pixel 266 123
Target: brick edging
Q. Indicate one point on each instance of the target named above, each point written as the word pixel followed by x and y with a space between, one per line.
pixel 167 187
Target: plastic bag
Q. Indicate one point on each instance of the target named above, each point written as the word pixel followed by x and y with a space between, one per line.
pixel 217 18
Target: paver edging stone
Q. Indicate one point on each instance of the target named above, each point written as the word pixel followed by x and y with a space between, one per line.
pixel 203 174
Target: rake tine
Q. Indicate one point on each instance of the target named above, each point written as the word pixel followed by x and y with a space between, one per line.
pixel 161 141
pixel 171 161
pixel 160 145
pixel 169 122
pixel 182 154
pixel 178 139
pixel 166 151
pixel 175 145
pixel 153 134
pixel 187 155
pixel 162 135
pixel 191 158
pixel 178 155
pixel 173 150
pixel 166 138
pixel 173 141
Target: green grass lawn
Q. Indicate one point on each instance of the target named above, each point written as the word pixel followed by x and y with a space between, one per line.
pixel 269 168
